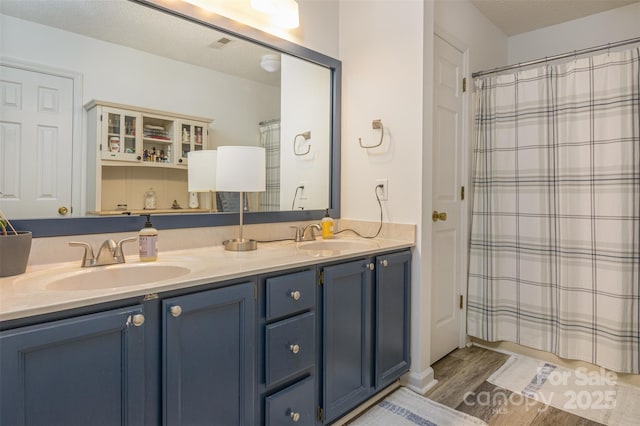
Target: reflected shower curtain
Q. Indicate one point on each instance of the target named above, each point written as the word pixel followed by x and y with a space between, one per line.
pixel 554 249
pixel 270 140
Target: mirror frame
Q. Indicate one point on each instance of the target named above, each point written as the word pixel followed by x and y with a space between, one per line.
pixel 107 224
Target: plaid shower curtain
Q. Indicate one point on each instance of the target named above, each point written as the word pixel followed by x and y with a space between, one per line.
pixel 270 140
pixel 554 249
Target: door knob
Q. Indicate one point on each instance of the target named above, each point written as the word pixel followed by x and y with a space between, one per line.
pixel 439 216
pixel 62 210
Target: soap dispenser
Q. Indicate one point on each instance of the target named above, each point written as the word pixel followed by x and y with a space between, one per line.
pixel 327 226
pixel 148 242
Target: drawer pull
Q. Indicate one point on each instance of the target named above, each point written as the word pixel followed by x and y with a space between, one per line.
pixel 294 348
pixel 384 262
pixel 295 416
pixel 175 311
pixel 295 295
pixel 371 266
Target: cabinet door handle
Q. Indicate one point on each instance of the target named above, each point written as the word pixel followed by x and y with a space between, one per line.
pixel 371 266
pixel 295 295
pixel 384 262
pixel 175 311
pixel 137 320
pixel 295 416
pixel 294 348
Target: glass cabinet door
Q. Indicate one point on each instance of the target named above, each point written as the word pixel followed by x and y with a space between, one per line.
pixel 157 139
pixel 119 140
pixel 192 138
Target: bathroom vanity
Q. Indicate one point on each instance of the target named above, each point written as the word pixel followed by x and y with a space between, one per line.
pixel 293 333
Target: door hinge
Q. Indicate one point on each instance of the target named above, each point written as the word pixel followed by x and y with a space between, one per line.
pixel 461 301
pixel 100 117
pixel 464 84
pixel 320 414
pixel 462 193
pixel 320 278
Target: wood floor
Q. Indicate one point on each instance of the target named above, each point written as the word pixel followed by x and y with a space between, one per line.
pixel 462 385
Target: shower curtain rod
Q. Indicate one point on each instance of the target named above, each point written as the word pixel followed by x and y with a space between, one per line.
pixel 554 57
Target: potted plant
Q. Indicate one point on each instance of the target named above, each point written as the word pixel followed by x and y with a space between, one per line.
pixel 15 247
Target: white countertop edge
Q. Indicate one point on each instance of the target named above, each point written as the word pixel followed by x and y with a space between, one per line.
pixel 24 295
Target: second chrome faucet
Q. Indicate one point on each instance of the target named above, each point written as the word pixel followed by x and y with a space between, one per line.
pixel 110 252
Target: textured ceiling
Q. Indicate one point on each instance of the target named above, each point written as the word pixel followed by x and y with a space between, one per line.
pixel 520 16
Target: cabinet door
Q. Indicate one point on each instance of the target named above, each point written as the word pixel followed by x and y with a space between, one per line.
pixel 209 357
pixel 392 312
pixel 347 346
pixel 193 137
pixel 120 140
pixel 82 371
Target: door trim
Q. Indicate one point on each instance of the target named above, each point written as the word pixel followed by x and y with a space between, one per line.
pixel 78 151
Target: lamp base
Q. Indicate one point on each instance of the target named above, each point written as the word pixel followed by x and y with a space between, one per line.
pixel 240 245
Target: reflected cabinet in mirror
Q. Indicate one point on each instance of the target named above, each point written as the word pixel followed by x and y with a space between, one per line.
pixel 103 100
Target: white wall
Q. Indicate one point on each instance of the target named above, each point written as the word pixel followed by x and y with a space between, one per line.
pixel 123 75
pixel 602 28
pixel 382 51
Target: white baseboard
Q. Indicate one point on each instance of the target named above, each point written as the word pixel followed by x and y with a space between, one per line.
pixel 419 382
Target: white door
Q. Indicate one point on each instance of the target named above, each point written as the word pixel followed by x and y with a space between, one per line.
pixel 447 233
pixel 36 128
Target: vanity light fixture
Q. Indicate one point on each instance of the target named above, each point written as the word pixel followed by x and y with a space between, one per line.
pixel 241 169
pixel 270 63
pixel 283 13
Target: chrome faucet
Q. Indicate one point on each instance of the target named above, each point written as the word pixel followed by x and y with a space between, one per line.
pixel 306 233
pixel 110 252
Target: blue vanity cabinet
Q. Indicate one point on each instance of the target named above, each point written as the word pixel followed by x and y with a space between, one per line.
pixel 288 348
pixel 365 323
pixel 208 352
pixel 392 317
pixel 347 312
pixel 86 370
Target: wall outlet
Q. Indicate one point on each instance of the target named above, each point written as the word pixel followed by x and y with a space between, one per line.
pixel 303 192
pixel 383 192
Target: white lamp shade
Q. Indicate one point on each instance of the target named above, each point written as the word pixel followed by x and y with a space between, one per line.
pixel 202 170
pixel 241 169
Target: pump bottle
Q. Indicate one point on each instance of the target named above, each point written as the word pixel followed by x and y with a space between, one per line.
pixel 327 226
pixel 148 242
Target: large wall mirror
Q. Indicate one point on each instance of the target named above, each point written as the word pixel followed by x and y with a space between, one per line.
pixel 142 54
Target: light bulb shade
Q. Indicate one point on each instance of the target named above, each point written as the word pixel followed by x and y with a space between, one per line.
pixel 241 169
pixel 270 63
pixel 201 170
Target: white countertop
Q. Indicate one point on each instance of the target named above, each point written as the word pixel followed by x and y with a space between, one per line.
pixel 28 294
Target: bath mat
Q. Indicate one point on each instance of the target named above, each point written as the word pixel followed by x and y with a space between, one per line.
pixel 592 394
pixel 404 407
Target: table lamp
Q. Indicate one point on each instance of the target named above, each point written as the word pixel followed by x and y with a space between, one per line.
pixel 201 171
pixel 240 169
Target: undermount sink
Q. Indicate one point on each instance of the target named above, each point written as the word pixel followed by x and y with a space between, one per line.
pixel 337 245
pixel 115 276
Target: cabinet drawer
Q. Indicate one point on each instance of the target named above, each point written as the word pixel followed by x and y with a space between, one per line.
pixel 293 405
pixel 291 293
pixel 289 347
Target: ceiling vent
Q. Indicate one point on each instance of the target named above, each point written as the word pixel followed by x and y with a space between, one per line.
pixel 220 43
